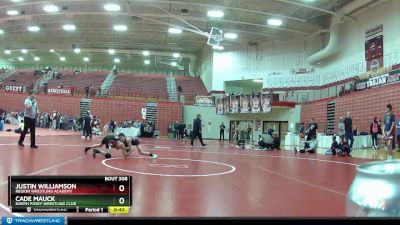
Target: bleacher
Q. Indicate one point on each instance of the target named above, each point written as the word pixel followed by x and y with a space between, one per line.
pixel 152 86
pixel 191 86
pixel 22 78
pixel 80 81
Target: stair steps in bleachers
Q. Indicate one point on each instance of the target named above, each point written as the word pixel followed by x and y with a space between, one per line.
pixel 152 112
pixel 6 75
pixel 171 88
pixel 86 105
pixel 331 114
pixel 106 85
pixel 40 83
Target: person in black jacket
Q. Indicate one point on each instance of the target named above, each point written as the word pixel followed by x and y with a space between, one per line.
pixel 197 130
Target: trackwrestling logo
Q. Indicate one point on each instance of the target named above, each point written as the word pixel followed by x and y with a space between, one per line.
pixel 32 220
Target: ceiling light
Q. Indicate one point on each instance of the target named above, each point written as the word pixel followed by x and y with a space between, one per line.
pixel 111 51
pixel 21 59
pixel 112 7
pixel 77 50
pixel 1 31
pixel 176 55
pixel 51 50
pixel 146 53
pixel 7 52
pixel 62 59
pixel 174 64
pixel 12 12
pixel 231 36
pixel 147 62
pixel 174 30
pixel 33 28
pixel 16 0
pixel 120 27
pixel 117 60
pixel 218 48
pixel 274 22
pixel 24 51
pixel 215 13
pixel 50 8
pixel 69 27
pixel 86 59
pixel 36 58
pixel 258 80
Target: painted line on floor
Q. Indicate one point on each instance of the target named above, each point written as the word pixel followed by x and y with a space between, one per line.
pixel 232 168
pixel 297 180
pixel 169 166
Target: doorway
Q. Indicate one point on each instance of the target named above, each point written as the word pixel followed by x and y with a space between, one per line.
pixel 281 127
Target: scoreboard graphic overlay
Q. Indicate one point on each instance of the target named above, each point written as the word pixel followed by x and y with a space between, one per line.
pixel 75 194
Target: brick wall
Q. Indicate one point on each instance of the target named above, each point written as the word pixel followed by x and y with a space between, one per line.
pixel 363 105
pixel 117 109
pixel 63 104
pixel 168 112
pixel 106 108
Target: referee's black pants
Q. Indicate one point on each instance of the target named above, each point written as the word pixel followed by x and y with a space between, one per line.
pixel 29 124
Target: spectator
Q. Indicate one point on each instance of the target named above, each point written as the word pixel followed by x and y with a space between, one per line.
pixel 341 129
pixel 348 128
pixel 312 146
pixel 266 142
pixel 334 147
pixel 398 134
pixel 312 129
pixel 374 131
pixel 222 132
pixel 389 129
pixel 345 147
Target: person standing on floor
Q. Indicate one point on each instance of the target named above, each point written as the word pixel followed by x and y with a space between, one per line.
pixel 341 129
pixel 197 131
pixel 222 132
pixel 31 111
pixel 312 129
pixel 348 129
pixel 389 129
pixel 374 130
pixel 398 134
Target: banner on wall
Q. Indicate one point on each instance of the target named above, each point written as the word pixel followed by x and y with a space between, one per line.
pixel 234 103
pixel 12 88
pixel 256 103
pixel 206 101
pixel 379 80
pixel 226 102
pixel 245 104
pixel 374 53
pixel 220 106
pixel 266 103
pixel 58 91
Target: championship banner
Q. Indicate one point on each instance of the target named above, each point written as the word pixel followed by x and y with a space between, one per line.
pixel 374 53
pixel 235 104
pixel 220 106
pixel 206 101
pixel 256 104
pixel 12 88
pixel 226 102
pixel 266 103
pixel 58 91
pixel 245 104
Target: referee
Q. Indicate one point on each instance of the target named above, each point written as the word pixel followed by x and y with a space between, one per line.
pixel 31 111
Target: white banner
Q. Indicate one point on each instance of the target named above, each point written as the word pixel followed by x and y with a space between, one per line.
pixel 59 91
pixel 207 101
pixel 14 88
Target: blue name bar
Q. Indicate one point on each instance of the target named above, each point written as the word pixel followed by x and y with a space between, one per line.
pixel 32 220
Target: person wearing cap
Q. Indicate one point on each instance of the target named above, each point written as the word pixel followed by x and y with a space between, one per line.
pixel 111 141
pixel 31 111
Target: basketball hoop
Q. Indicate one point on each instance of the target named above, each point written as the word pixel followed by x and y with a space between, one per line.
pixel 215 37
